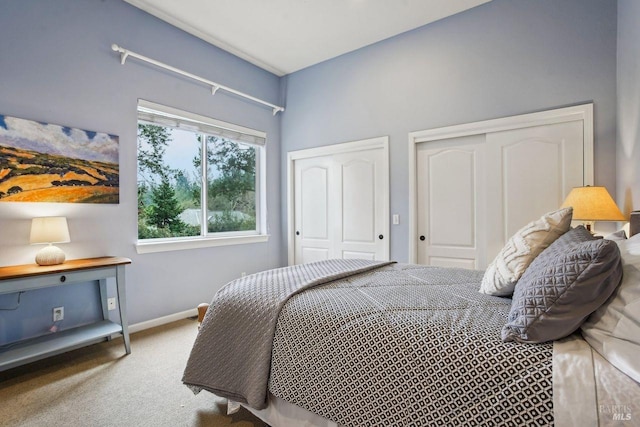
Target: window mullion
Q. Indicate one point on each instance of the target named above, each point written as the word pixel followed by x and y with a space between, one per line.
pixel 258 191
pixel 204 227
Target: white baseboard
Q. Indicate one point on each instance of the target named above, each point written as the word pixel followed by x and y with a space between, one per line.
pixel 162 320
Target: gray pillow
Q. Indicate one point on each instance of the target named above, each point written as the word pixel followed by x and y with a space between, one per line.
pixel 565 284
pixel 618 235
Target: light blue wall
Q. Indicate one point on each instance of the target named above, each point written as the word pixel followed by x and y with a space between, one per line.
pixel 503 58
pixel 628 105
pixel 57 66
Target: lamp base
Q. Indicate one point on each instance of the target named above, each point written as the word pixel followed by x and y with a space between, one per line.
pixel 589 226
pixel 50 255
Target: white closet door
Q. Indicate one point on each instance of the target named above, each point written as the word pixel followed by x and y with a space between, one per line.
pixel 475 192
pixel 314 203
pixel 450 190
pixel 341 205
pixel 531 170
pixel 362 210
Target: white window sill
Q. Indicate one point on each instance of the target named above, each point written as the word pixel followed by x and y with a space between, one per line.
pixel 201 242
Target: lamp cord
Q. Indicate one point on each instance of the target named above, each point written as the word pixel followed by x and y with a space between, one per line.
pixel 17 304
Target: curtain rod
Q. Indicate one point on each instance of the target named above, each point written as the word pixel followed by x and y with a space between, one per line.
pixel 125 53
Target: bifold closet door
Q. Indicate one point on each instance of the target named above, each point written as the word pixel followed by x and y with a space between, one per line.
pixel 341 207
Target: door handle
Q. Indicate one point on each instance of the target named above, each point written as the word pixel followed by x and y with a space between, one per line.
pixel 380 236
pixel 297 233
pixel 422 238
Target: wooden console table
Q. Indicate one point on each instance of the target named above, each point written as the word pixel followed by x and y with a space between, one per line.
pixel 20 278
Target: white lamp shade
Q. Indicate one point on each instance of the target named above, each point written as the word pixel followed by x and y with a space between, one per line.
pixel 52 229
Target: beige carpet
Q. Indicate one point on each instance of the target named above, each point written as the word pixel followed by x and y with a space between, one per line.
pixel 101 386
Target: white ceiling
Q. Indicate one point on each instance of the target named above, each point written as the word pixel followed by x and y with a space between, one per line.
pixel 283 36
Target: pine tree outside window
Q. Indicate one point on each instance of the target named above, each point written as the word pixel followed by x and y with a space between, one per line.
pixel 200 181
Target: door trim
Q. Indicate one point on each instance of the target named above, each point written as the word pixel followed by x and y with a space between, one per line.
pixel 381 142
pixel 582 113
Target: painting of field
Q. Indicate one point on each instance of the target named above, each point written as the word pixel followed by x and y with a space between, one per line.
pixel 41 162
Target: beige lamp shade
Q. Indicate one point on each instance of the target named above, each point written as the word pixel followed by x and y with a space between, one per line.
pixel 49 230
pixel 53 229
pixel 593 204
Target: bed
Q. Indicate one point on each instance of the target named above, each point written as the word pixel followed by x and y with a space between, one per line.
pixel 354 342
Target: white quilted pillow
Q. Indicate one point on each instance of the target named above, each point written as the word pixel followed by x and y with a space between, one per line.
pixel 502 274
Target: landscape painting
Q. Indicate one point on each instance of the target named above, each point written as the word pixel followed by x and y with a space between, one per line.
pixel 42 162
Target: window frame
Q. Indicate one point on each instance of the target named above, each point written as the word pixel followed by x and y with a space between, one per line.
pixel 206 239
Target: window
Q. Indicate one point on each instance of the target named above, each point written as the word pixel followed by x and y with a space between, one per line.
pixel 200 181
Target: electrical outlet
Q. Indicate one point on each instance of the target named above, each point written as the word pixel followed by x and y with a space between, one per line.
pixel 111 303
pixel 58 314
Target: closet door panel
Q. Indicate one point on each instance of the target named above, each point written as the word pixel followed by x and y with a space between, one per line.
pixel 314 203
pixel 533 169
pixel 313 200
pixel 361 229
pixel 358 201
pixel 450 189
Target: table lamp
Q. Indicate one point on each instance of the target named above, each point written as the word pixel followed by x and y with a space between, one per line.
pixel 48 230
pixel 591 204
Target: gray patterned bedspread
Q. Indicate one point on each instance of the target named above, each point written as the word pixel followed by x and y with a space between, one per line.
pixel 408 345
pixel 232 352
pixel 399 345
